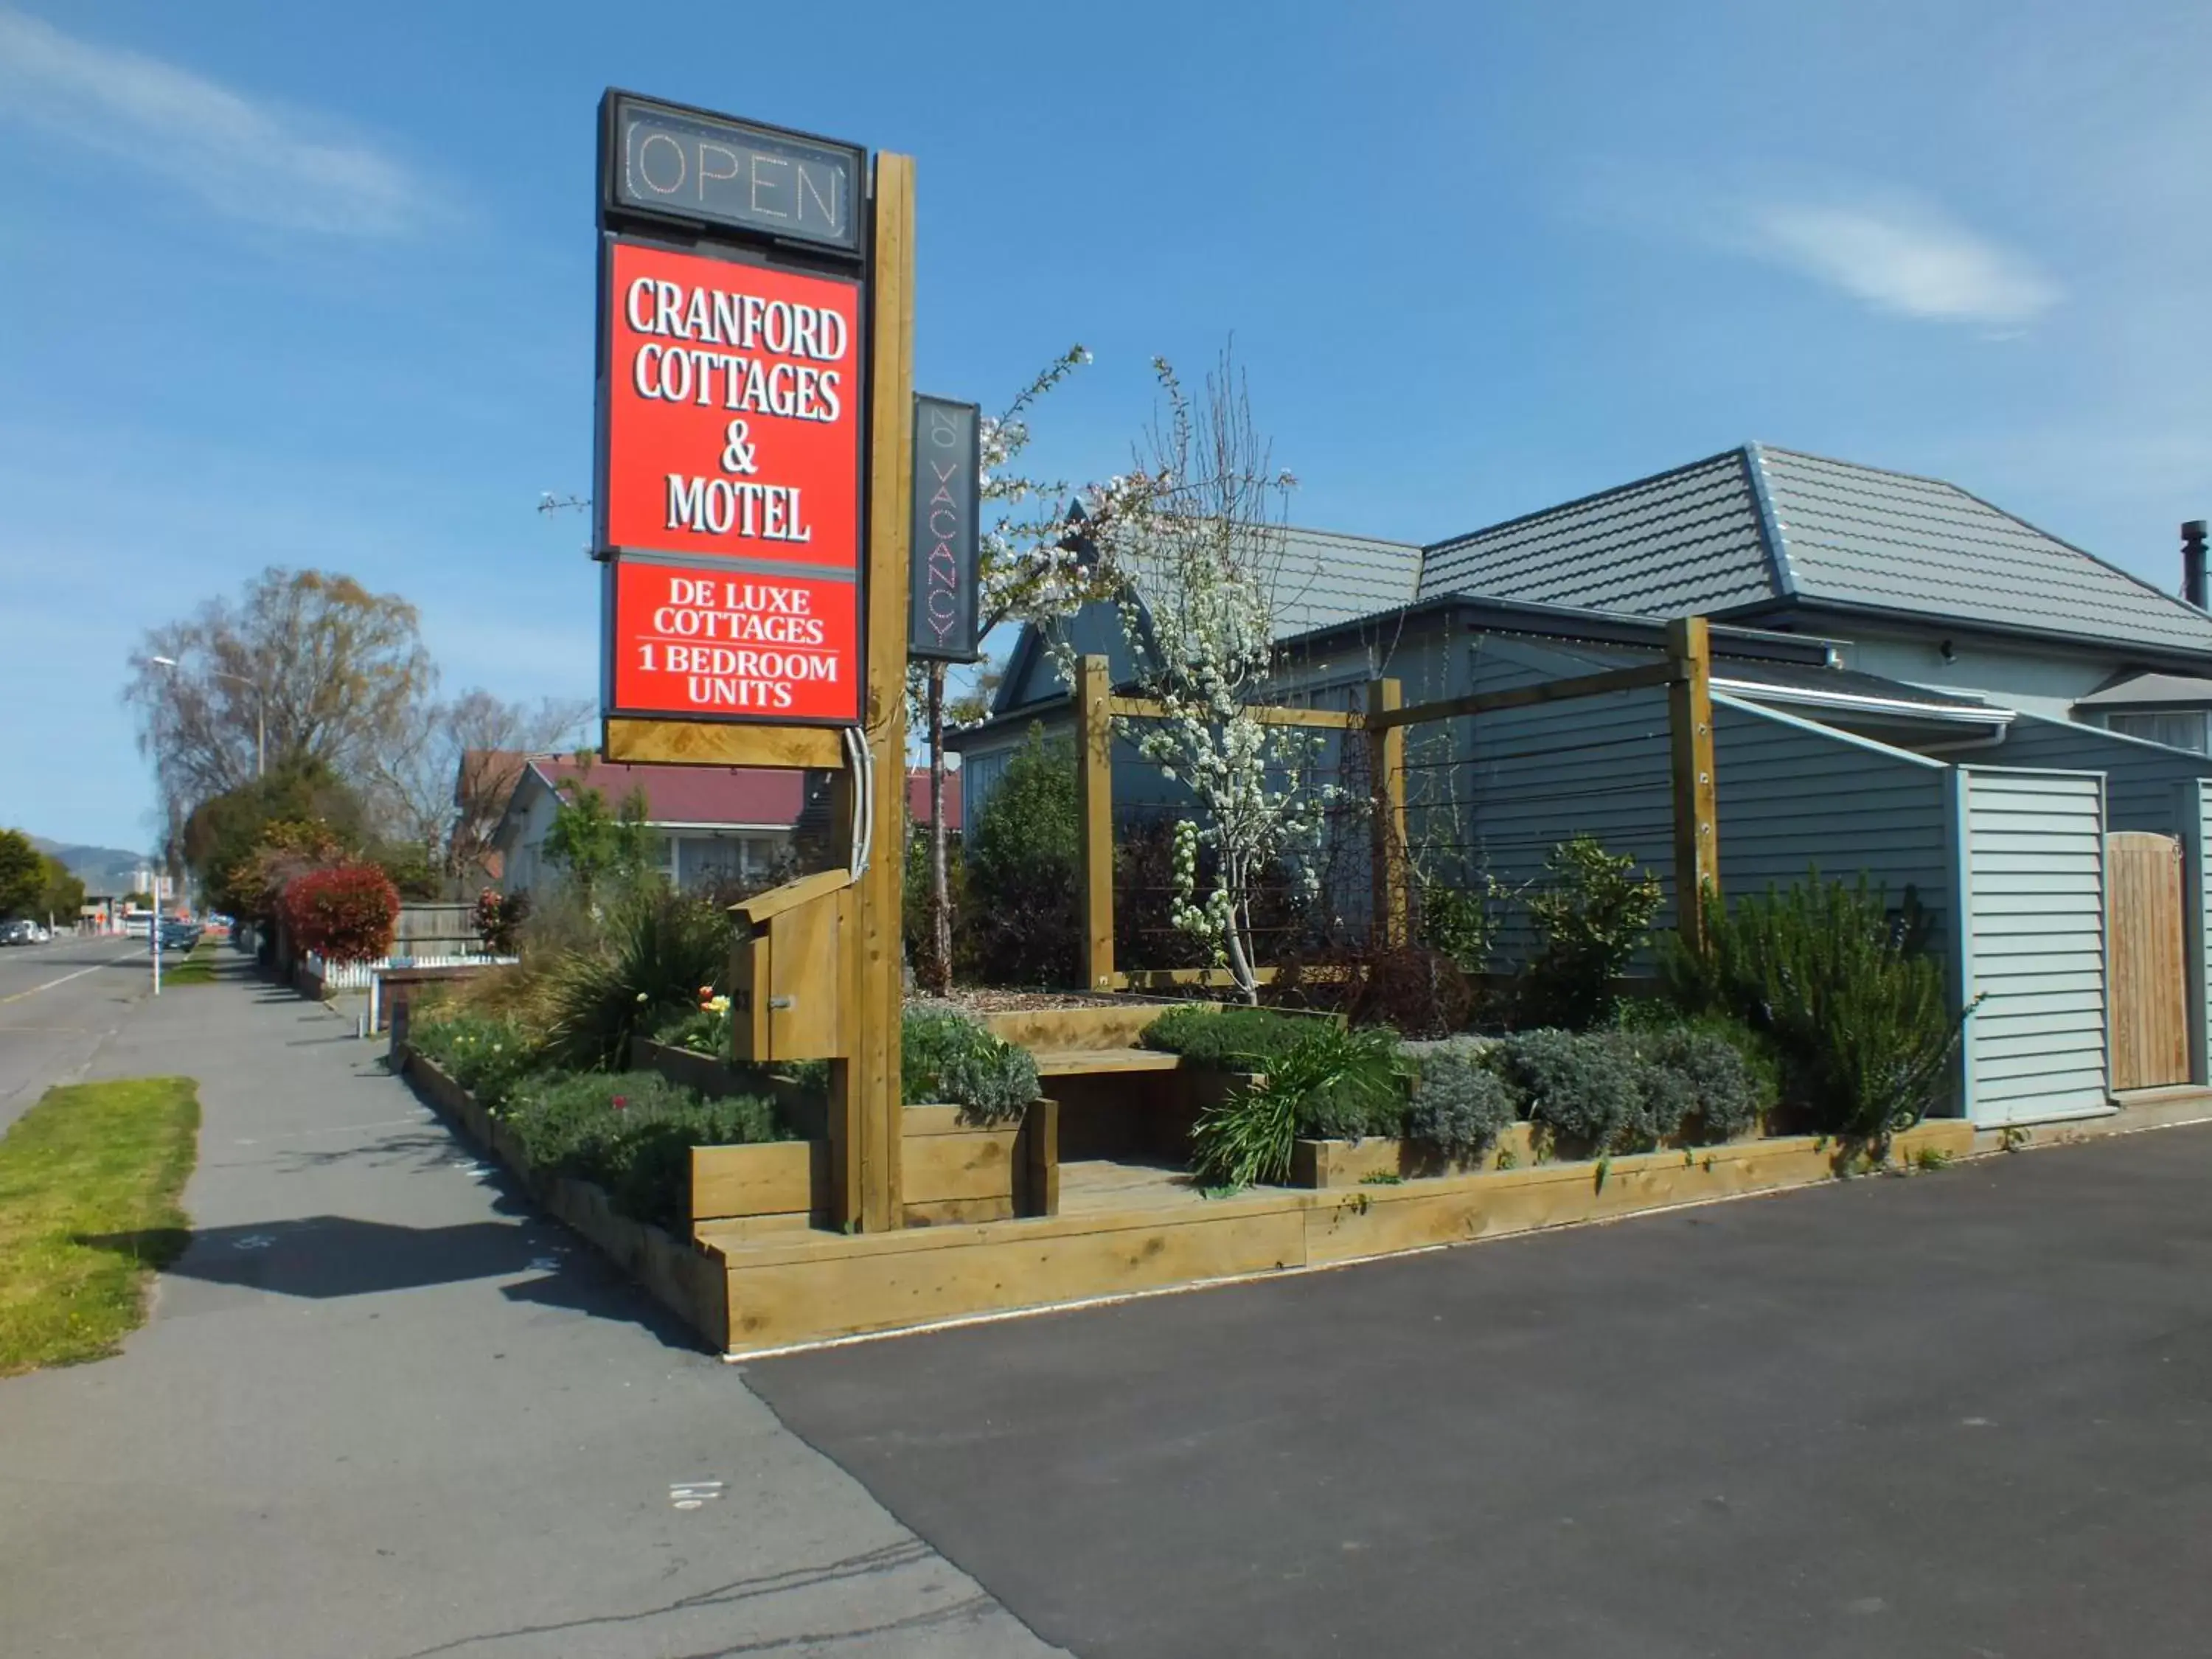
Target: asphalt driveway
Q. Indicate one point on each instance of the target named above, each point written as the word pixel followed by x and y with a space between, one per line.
pixel 1967 1414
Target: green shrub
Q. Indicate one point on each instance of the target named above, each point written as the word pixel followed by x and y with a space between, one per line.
pixel 1459 922
pixel 1711 1092
pixel 1332 1083
pixel 1593 917
pixel 658 949
pixel 1369 1095
pixel 1584 1086
pixel 648 1168
pixel 1856 1008
pixel 490 1057
pixel 1460 1105
pixel 631 1132
pixel 947 1056
pixel 1024 853
pixel 1228 1039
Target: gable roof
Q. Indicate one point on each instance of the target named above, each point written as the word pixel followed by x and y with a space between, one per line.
pixel 1324 578
pixel 1750 528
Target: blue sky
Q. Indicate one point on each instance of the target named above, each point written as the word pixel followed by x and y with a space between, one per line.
pixel 297 284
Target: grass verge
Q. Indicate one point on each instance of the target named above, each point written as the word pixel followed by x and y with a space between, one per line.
pixel 89 1180
pixel 198 968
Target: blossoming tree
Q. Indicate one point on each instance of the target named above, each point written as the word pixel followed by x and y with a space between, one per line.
pixel 1192 543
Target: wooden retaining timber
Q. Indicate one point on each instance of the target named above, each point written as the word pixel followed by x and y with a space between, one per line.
pixel 955 1171
pixel 762 1274
pixel 1325 1163
pixel 690 1281
pixel 799 1289
pixel 1109 1025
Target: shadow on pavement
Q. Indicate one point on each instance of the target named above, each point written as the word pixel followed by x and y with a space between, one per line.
pixel 324 1257
pixel 330 1255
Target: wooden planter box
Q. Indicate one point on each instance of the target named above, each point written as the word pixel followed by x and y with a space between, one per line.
pixel 951 1169
pixel 1048 1030
pixel 1327 1164
pixel 692 1283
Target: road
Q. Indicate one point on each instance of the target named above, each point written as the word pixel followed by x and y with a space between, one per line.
pixel 59 1003
pixel 1968 1413
pixel 385 1409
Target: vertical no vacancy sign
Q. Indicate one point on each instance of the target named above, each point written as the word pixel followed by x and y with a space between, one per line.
pixel 728 494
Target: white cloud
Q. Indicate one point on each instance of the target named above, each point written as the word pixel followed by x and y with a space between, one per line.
pixel 253 160
pixel 1906 258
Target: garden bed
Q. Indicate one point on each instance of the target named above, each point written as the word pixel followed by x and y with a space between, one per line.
pixel 952 1167
pixel 764 1274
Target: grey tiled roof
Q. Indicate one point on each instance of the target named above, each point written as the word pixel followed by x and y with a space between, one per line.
pixel 1327 578
pixel 1685 541
pixel 1855 536
pixel 1756 526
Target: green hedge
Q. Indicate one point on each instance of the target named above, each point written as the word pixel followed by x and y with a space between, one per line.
pixel 1228 1039
pixel 949 1057
pixel 631 1132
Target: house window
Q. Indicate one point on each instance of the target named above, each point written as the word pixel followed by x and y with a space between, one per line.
pixel 2183 730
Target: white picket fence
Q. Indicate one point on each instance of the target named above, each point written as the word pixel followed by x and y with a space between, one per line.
pixel 361 975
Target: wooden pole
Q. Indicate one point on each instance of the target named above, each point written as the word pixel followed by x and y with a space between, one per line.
pixel 1386 750
pixel 866 1112
pixel 1690 720
pixel 1094 759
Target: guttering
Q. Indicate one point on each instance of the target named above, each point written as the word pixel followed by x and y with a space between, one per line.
pixel 1995 740
pixel 1856 703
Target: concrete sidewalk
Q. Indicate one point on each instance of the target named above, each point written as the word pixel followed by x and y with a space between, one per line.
pixel 384 1409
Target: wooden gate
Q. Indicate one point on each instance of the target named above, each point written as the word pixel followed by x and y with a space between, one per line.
pixel 2150 993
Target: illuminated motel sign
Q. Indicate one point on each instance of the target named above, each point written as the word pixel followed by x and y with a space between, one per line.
pixel 733 399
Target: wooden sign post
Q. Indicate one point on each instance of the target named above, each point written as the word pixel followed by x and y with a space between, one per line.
pixel 865 1107
pixel 752 503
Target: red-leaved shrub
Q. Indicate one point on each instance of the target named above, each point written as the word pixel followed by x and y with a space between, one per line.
pixel 343 914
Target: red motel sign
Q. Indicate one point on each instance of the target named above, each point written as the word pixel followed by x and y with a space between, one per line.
pixel 728 491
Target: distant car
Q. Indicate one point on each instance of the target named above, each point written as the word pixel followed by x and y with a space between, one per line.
pixel 19 932
pixel 179 935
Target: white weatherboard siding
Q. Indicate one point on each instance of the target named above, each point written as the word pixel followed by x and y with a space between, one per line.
pixel 2032 848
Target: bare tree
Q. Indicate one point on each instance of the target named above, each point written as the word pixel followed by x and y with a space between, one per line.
pixel 443 782
pixel 312 661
